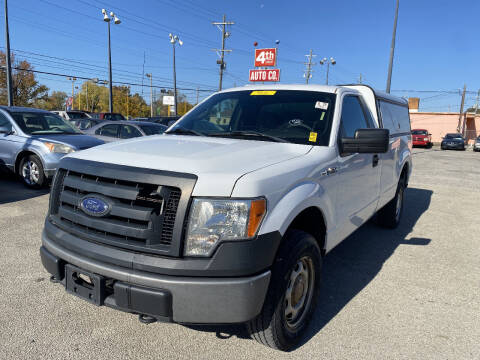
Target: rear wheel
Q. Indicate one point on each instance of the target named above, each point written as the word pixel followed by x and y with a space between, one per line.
pixel 390 215
pixel 292 295
pixel 31 172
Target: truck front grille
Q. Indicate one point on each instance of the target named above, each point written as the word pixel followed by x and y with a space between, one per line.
pixel 143 216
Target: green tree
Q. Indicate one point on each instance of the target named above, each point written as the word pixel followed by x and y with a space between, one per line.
pixel 55 101
pixel 25 87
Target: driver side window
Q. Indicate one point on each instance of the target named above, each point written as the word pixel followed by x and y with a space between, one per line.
pixel 353 117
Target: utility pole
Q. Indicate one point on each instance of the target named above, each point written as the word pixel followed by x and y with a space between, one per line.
pixel 8 59
pixel 221 52
pixel 308 71
pixel 197 96
pixel 476 102
pixel 151 93
pixel 392 50
pixel 116 21
pixel 462 103
pixel 360 78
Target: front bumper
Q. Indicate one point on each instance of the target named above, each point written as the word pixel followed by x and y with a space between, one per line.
pixel 452 146
pixel 420 143
pixel 198 300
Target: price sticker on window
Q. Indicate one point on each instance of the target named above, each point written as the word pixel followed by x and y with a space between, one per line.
pixel 312 137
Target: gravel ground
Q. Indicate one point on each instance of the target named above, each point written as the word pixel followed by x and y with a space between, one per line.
pixel 411 293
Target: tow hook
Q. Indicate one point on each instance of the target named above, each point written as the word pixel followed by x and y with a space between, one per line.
pixel 146 319
pixel 54 280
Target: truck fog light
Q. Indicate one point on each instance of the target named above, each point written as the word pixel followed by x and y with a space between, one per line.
pixel 212 221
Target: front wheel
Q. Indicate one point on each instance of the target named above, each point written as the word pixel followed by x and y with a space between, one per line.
pixel 31 172
pixel 292 294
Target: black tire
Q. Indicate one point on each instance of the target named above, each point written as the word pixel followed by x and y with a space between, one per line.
pixel 390 215
pixel 31 172
pixel 273 327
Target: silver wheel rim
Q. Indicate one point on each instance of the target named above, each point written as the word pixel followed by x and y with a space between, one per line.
pixel 30 172
pixel 398 208
pixel 299 293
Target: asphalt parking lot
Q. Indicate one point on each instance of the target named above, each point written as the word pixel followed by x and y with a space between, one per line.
pixel 411 293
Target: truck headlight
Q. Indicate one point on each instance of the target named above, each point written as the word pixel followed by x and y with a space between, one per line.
pixel 426 139
pixel 212 221
pixel 59 148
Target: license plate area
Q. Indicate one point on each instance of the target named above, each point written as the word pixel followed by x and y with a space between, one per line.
pixel 86 285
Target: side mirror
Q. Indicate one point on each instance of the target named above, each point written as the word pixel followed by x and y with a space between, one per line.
pixel 5 130
pixel 367 141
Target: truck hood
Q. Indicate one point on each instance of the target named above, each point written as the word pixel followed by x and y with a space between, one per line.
pixel 217 162
pixel 80 142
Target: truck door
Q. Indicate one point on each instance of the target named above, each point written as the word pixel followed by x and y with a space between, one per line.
pixel 358 175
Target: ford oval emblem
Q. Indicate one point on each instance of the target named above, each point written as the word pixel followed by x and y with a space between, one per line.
pixel 95 205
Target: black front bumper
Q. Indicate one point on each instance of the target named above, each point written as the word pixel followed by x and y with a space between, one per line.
pixel 122 296
pixel 199 299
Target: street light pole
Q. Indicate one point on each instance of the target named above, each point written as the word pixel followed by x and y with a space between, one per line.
pixel 110 89
pixel 116 21
pixel 392 50
pixel 173 40
pixel 151 93
pixel 8 59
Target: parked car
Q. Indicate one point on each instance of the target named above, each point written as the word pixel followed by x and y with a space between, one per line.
pixel 84 124
pixel 453 141
pixel 165 120
pixel 421 137
pixel 228 222
pixel 117 130
pixel 32 142
pixel 110 116
pixel 476 145
pixel 72 115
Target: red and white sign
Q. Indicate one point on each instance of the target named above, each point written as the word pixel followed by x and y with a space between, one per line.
pixel 264 75
pixel 265 57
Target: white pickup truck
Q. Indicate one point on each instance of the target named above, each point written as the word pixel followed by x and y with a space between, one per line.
pixel 226 217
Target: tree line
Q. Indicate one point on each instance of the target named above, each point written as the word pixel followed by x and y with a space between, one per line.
pixel 89 96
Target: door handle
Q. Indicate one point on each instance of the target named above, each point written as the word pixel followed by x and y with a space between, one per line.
pixel 375 160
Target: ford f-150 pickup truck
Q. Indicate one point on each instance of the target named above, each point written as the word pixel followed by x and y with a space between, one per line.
pixel 226 217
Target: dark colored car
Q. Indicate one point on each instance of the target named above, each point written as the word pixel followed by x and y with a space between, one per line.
pixel 165 120
pixel 111 116
pixel 84 124
pixel 109 131
pixel 453 141
pixel 421 137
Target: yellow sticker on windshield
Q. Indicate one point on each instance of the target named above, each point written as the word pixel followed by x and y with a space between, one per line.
pixel 263 92
pixel 313 137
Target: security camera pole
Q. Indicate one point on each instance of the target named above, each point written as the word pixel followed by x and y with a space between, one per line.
pixel 116 21
pixel 8 59
pixel 328 62
pixel 174 39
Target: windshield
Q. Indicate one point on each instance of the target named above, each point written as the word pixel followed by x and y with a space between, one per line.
pixel 453 136
pixel 419 132
pixel 153 129
pixel 113 116
pixel 39 123
pixel 77 115
pixel 301 117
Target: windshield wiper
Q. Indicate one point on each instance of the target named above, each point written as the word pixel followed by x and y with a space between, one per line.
pixel 249 134
pixel 183 131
